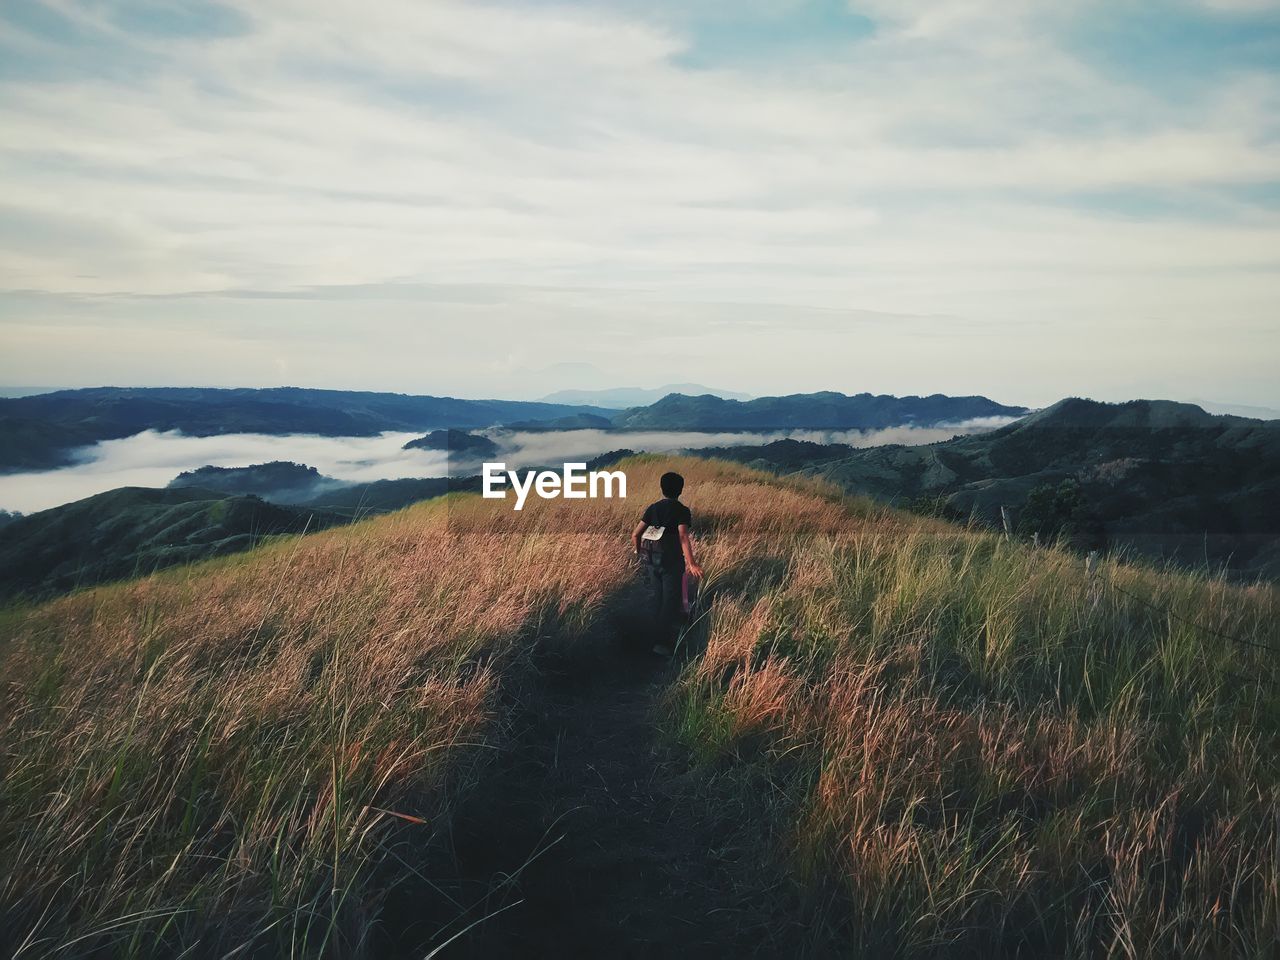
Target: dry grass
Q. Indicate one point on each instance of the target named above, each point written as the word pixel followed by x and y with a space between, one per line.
pixel 226 755
pixel 981 753
pixel 989 754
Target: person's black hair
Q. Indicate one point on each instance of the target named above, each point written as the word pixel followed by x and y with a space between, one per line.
pixel 672 484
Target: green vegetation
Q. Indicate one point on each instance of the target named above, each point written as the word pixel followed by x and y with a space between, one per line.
pixel 457 442
pixel 279 480
pixel 1060 513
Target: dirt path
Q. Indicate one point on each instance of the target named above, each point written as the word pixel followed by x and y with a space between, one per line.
pixel 627 850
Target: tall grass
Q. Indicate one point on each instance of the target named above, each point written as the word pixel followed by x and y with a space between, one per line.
pixel 250 754
pixel 990 752
pixel 980 749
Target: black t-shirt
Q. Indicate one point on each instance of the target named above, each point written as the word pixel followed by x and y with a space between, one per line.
pixel 669 513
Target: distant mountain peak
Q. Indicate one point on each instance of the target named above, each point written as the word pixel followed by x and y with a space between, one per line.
pixel 622 398
pixel 827 409
pixel 1149 414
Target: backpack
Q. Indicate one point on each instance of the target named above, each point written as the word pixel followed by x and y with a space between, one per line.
pixel 651 547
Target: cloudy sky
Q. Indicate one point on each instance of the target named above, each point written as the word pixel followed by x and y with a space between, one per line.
pixel 1022 198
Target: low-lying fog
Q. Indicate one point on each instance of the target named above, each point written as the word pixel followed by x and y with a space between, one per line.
pixel 152 459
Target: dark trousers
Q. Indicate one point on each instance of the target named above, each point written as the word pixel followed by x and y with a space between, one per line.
pixel 666 590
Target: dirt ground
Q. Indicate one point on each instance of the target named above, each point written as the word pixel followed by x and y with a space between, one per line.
pixel 593 837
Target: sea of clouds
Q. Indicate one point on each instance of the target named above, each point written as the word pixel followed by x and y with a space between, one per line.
pixel 153 458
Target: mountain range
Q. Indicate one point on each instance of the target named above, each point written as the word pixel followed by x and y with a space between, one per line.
pixel 44 431
pixel 1166 479
pixel 620 398
pixel 825 410
pixel 40 432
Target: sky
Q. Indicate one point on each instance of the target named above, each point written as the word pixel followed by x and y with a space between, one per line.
pixel 1019 198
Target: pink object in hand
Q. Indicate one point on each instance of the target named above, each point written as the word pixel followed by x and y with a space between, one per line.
pixel 688 592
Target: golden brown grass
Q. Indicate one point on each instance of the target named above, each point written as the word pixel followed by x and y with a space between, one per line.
pixel 989 753
pixel 981 752
pixel 223 755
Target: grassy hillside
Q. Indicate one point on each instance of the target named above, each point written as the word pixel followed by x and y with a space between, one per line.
pixel 982 758
pixel 1162 478
pixel 136 530
pixel 942 743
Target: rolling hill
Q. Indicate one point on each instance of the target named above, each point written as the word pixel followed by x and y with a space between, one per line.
pixel 1164 478
pixel 209 512
pixel 135 530
pixel 459 442
pixel 886 736
pixel 281 481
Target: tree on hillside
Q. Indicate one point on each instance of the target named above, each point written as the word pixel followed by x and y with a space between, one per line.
pixel 1062 513
pixel 938 507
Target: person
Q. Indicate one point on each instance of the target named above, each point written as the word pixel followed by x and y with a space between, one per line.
pixel 671 558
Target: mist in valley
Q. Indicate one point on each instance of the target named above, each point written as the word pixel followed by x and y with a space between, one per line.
pixel 153 458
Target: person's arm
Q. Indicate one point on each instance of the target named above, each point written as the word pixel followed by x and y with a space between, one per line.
pixel 686 547
pixel 635 535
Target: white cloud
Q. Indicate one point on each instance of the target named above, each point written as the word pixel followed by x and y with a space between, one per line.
pixel 1239 6
pixel 152 458
pixel 570 156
